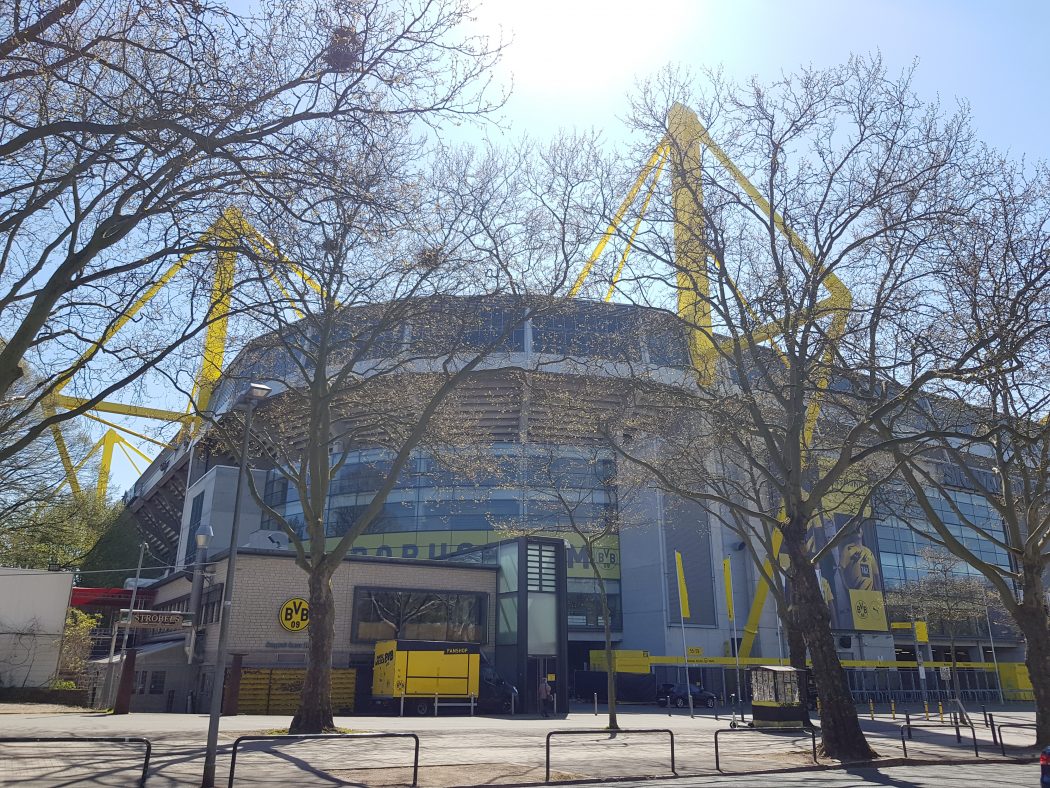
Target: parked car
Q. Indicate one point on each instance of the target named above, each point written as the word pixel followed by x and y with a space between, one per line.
pixel 679 695
pixel 1044 768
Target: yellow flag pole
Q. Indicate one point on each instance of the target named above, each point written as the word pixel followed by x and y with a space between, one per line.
pixel 683 612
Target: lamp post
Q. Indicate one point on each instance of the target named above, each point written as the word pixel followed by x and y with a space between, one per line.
pixel 252 396
pixel 203 537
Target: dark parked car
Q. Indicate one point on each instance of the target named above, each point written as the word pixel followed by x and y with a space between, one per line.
pixel 679 695
pixel 1044 768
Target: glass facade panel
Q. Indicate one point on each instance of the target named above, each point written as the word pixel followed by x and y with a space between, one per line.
pixel 434 511
pixel 387 614
pixel 901 541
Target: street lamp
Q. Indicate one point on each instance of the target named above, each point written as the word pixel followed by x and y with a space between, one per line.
pixel 203 537
pixel 248 400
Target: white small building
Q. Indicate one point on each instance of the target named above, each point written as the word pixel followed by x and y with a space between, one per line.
pixel 33 605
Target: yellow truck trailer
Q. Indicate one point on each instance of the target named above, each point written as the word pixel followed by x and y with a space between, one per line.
pixel 410 675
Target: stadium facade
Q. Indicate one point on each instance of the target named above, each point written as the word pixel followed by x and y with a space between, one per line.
pixel 535 463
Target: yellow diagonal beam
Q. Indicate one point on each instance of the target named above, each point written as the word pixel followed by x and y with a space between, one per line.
pixel 617 220
pixel 637 224
pixel 129 431
pixel 120 408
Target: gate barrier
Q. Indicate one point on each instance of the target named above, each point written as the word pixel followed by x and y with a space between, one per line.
pixel 106 739
pixel 611 733
pixel 1002 744
pixel 308 736
pixel 908 726
pixel 811 731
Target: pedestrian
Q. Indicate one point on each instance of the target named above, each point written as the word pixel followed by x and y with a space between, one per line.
pixel 543 695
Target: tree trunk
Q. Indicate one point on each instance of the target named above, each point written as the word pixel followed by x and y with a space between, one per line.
pixel 1033 619
pixel 841 736
pixel 314 714
pixel 796 640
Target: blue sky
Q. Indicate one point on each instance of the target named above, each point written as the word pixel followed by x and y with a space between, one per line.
pixel 572 62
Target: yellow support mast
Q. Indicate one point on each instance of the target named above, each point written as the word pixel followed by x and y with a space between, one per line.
pixel 230 229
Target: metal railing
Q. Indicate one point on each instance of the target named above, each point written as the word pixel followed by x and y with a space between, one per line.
pixel 97 739
pixel 321 736
pixel 811 731
pixel 999 730
pixel 610 734
pixel 956 725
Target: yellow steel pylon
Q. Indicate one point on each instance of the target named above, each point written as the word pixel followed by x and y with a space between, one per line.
pixel 682 146
pixel 231 227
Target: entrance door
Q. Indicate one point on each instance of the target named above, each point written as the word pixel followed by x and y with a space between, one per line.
pixel 538 669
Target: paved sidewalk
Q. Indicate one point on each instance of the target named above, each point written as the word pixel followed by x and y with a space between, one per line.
pixel 454 751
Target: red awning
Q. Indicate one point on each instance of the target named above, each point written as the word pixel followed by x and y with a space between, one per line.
pixel 110 597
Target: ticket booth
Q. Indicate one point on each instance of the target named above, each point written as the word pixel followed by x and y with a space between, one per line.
pixel 779 697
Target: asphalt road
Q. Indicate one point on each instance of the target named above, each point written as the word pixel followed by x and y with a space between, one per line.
pixel 992 775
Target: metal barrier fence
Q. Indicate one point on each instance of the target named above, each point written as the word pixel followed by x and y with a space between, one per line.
pixel 306 736
pixel 99 739
pixel 1002 745
pixel 811 731
pixel 957 725
pixel 932 696
pixel 610 733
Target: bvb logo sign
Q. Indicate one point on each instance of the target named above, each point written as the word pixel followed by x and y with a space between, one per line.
pixel 295 614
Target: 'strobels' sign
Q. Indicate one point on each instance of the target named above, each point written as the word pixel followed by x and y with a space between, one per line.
pixel 295 614
pixel 153 619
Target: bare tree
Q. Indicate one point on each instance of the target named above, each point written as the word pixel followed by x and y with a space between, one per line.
pixel 944 598
pixel 576 491
pixel 978 471
pixel 381 344
pixel 129 127
pixel 791 251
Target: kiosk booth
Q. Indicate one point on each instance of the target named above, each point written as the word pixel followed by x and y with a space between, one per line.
pixel 779 697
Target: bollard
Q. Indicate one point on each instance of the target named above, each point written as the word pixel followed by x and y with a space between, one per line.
pixel 871 708
pixel 471 705
pixel 926 709
pixel 893 709
pixel 940 710
pixel 984 712
pixel 668 705
pixel 513 695
pixel 596 704
pixel 402 714
pixel 907 723
pixel 818 707
pixel 991 724
pixel 435 703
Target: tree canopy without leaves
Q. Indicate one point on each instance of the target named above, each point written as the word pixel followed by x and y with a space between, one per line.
pixel 796 248
pixel 128 127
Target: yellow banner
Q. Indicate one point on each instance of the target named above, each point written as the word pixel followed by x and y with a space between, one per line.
pixel 441 544
pixel 727 575
pixel 626 661
pixel 869 610
pixel 922 632
pixel 683 592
